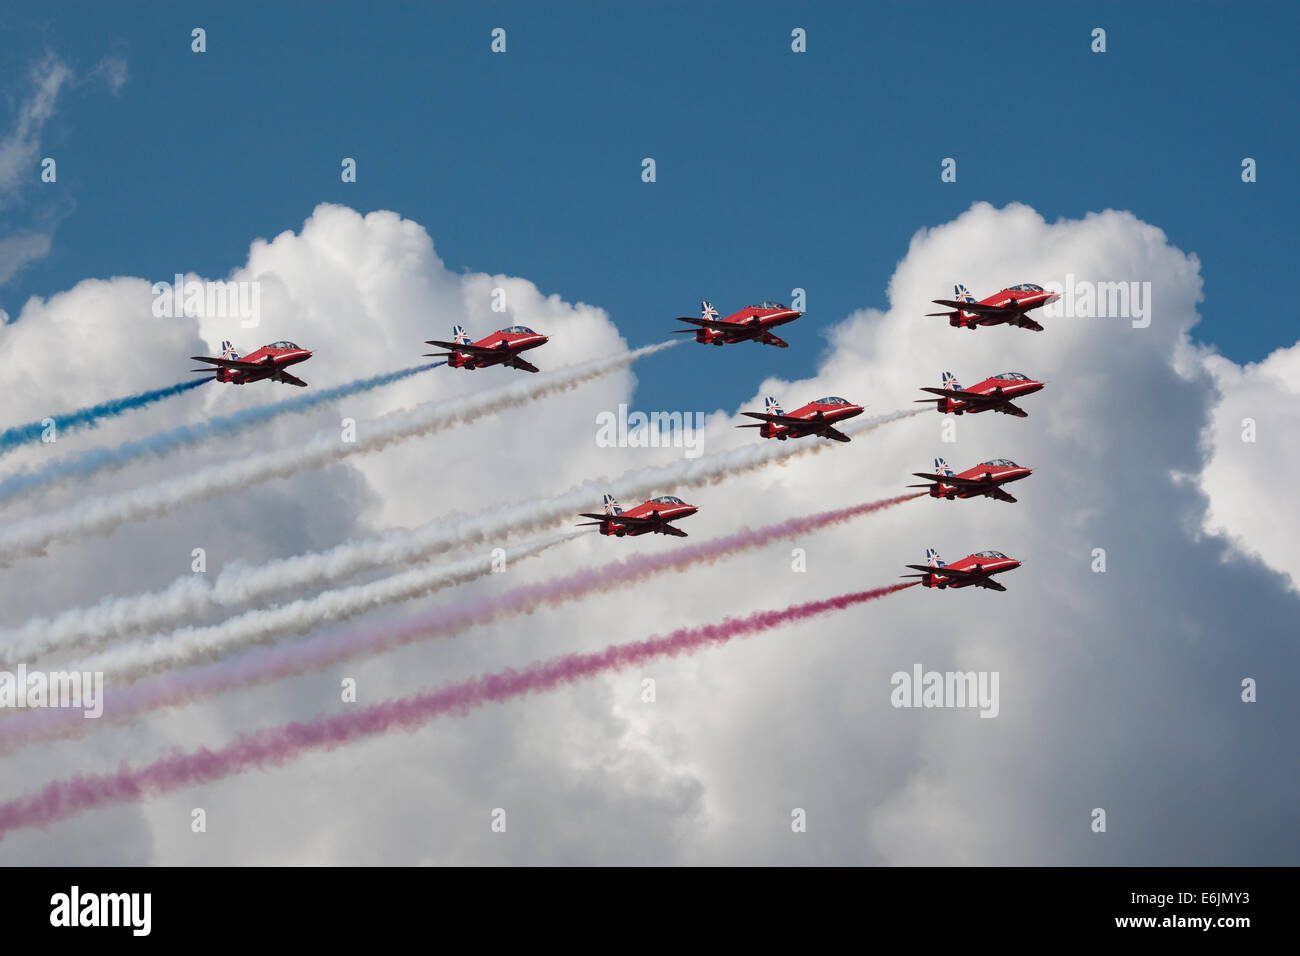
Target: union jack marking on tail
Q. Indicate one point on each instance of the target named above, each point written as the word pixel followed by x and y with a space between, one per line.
pixel 707 311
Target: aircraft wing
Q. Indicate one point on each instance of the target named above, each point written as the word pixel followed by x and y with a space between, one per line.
pixel 622 519
pixel 780 419
pixel 979 578
pixel 477 350
pixel 922 567
pixel 238 364
pixel 769 339
pixel 984 401
pixel 974 308
pixel 952 480
pixel 669 529
pixel 948 572
pixel 1025 322
pixel 717 325
pixel 960 393
pixel 519 363
pixel 290 379
pixel 835 434
pixel 1001 495
pixel 634 522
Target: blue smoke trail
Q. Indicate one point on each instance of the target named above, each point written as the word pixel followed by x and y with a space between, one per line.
pixel 102 459
pixel 89 417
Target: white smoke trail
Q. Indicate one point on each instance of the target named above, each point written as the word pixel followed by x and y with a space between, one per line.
pixel 160 651
pixel 237 585
pixel 100 460
pixel 92 516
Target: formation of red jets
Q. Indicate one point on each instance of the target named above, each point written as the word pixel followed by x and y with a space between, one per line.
pixel 819 418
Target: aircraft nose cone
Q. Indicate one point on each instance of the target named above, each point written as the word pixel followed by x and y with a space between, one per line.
pixel 545 339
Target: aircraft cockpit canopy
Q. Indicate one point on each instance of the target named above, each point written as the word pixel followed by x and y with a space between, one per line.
pixel 282 344
pixel 1026 287
pixel 667 500
pixel 1002 463
pixel 1013 376
pixel 520 330
pixel 832 400
pixel 990 554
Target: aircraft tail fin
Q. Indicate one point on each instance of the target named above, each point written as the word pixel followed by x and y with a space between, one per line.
pixel 962 294
pixel 459 335
pixel 941 468
pixel 707 311
pixel 950 382
pixel 611 505
pixel 932 558
pixel 772 407
pixel 228 350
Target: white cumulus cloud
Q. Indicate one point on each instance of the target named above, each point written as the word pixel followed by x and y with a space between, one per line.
pixel 1118 690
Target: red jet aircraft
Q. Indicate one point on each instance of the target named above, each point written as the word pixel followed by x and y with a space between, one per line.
pixel 975 570
pixel 499 348
pixel 649 518
pixel 751 323
pixel 270 361
pixel 815 418
pixel 1006 307
pixel 992 394
pixel 984 480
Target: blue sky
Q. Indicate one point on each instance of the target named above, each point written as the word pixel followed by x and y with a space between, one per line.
pixel 775 170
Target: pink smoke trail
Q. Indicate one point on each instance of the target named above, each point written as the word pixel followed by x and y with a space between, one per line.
pixel 276 746
pixel 266 664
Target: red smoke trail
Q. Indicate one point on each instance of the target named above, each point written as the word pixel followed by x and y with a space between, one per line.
pixel 265 664
pixel 276 746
